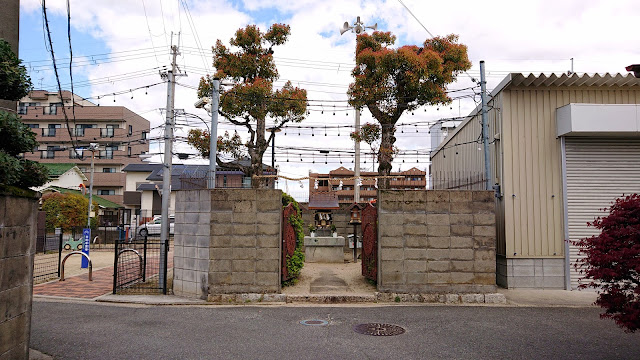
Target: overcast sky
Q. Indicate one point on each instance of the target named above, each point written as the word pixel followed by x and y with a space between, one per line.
pixel 120 45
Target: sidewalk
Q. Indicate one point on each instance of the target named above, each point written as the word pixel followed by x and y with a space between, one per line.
pixel 79 286
pixel 318 283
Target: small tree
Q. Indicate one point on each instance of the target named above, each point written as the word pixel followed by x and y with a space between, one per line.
pixel 612 262
pixel 251 100
pixel 15 136
pixel 66 211
pixel 391 81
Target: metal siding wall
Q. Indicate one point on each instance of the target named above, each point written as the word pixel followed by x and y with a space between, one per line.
pixel 598 172
pixel 530 216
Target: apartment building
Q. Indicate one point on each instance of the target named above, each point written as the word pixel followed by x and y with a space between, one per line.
pixel 341 180
pixel 65 132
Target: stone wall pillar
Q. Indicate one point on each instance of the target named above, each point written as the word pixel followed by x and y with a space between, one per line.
pixel 436 241
pixel 17 248
pixel 245 241
pixel 227 241
pixel 192 235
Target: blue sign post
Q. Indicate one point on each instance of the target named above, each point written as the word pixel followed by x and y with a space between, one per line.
pixel 86 239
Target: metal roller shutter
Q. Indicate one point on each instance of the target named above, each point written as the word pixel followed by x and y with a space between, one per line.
pixel 598 171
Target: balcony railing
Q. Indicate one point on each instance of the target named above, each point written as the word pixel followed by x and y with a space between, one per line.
pixel 47 154
pixel 49 132
pixel 106 154
pixel 76 154
pixel 77 132
pixel 107 132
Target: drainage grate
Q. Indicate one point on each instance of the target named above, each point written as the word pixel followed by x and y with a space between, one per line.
pixel 376 329
pixel 314 322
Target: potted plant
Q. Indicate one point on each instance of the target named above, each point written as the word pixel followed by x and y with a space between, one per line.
pixel 312 230
pixel 334 231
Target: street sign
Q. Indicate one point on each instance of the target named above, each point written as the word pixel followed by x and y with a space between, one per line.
pixel 86 236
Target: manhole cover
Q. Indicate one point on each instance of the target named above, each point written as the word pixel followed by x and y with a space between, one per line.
pixel 314 322
pixel 376 329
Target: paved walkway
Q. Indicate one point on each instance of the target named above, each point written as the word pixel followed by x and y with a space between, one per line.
pixel 79 286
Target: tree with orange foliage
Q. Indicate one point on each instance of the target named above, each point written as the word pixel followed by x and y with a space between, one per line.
pixel 251 100
pixel 391 81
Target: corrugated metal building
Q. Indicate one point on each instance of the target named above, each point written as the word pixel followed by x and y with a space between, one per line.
pixel 562 149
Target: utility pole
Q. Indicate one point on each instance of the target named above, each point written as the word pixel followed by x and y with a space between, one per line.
pixel 357 28
pixel 166 167
pixel 93 147
pixel 86 233
pixel 213 139
pixel 485 127
pixel 356 168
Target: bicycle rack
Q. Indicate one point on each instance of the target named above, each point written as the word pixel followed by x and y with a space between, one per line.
pixel 72 253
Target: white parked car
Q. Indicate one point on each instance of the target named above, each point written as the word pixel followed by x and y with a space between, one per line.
pixel 154 227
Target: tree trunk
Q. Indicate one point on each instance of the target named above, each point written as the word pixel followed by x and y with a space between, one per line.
pixel 385 154
pixel 256 157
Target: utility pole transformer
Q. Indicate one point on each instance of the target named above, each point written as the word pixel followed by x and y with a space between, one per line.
pixel 485 128
pixel 166 169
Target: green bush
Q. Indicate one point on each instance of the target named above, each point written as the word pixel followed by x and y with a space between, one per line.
pixel 296 261
pixel 15 136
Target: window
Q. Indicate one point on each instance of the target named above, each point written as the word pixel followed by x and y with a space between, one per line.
pixel 50 153
pixel 224 181
pixel 106 192
pixel 22 107
pixel 75 154
pixel 108 131
pixel 129 151
pixel 50 131
pixel 107 153
pixel 108 170
pixel 246 182
pixel 53 109
pixel 130 130
pixel 323 183
pixel 79 130
pixel 144 135
pixel 33 126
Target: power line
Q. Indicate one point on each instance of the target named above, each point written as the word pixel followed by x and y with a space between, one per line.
pixel 55 68
pixel 151 36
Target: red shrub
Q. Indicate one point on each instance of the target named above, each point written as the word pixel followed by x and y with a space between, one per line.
pixel 612 262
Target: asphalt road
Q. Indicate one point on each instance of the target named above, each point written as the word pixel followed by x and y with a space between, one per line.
pixel 68 330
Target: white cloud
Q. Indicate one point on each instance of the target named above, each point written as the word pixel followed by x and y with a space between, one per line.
pixel 533 36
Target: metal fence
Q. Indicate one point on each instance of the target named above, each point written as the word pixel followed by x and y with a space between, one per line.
pixel 199 180
pixel 46 262
pixel 137 266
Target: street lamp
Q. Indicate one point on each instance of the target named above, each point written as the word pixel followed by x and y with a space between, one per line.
pixel 357 28
pixel 211 105
pixel 356 219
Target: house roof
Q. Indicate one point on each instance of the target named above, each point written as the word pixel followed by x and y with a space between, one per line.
pixel 323 200
pixel 145 167
pixel 102 202
pixel 57 169
pixel 552 80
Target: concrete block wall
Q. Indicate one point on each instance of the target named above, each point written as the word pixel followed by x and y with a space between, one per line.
pixel 192 239
pixel 436 241
pixel 17 248
pixel 540 273
pixel 245 241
